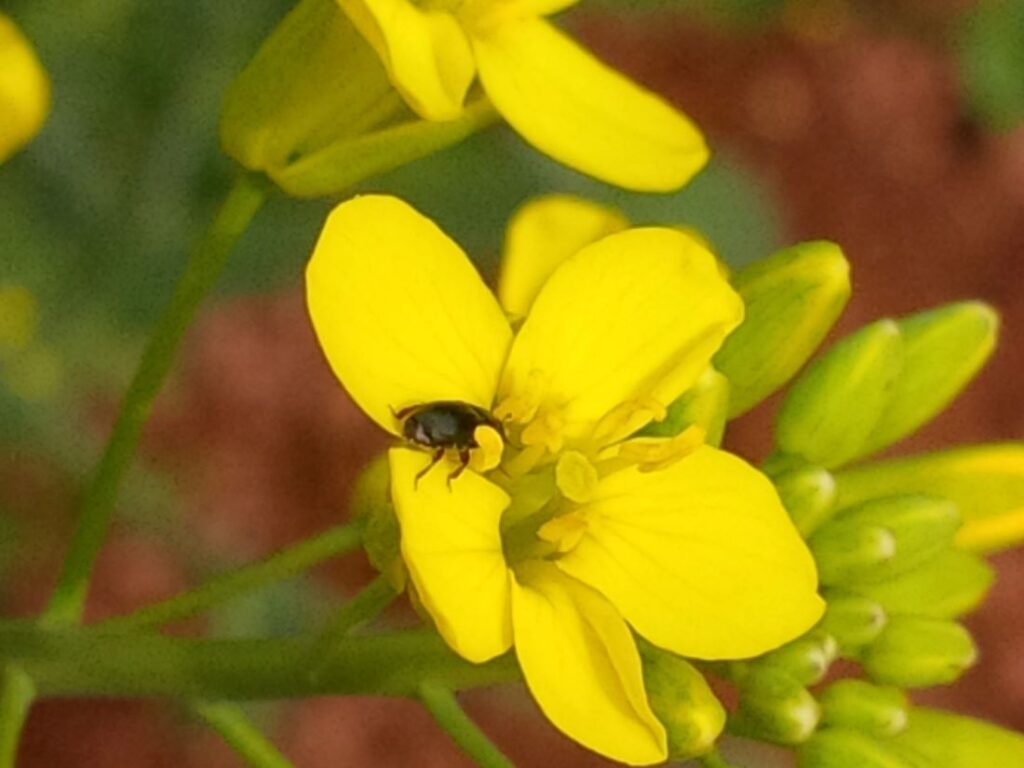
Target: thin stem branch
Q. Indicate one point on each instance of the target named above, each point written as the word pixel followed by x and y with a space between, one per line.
pixel 235 727
pixel 285 564
pixel 16 695
pixel 90 663
pixel 204 266
pixel 441 703
pixel 362 608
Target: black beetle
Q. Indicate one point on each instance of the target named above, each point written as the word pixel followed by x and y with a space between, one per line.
pixel 445 425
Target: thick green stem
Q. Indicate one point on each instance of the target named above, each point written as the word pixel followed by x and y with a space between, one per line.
pixel 373 599
pixel 440 702
pixel 283 565
pixel 234 726
pixel 204 266
pixel 16 694
pixel 88 662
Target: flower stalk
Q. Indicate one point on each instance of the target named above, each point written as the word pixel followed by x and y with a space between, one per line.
pixel 83 662
pixel 204 266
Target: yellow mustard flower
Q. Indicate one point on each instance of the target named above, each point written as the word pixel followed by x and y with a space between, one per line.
pixel 24 90
pixel 552 92
pixel 573 532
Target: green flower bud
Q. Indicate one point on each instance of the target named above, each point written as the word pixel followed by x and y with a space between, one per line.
pixel 864 707
pixel 705 405
pixel 807 659
pixel 942 351
pixel 681 699
pixel 846 553
pixel 844 748
pixel 945 587
pixel 831 409
pixel 918 528
pixel 915 652
pixel 314 109
pixel 853 621
pixel 774 707
pixel 946 740
pixel 808 494
pixel 792 299
pixel 986 482
pixel 382 537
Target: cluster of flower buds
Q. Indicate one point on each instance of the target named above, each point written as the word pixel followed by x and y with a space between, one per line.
pixel 898 543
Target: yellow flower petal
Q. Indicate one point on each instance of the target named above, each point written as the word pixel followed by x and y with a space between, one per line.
pixel 700 557
pixel 24 90
pixel 582 666
pixel 583 113
pixel 426 53
pixel 452 548
pixel 542 234
pixel 400 312
pixel 635 315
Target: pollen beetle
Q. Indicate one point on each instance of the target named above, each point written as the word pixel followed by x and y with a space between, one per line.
pixel 445 425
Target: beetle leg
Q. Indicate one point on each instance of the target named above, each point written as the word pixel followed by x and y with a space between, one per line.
pixel 463 463
pixel 401 413
pixel 438 455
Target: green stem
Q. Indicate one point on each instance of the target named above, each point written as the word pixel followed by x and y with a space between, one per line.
pixel 714 760
pixel 234 726
pixel 283 565
pixel 16 694
pixel 88 662
pixel 373 599
pixel 204 265
pixel 440 702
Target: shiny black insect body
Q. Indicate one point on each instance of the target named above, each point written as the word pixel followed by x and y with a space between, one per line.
pixel 445 425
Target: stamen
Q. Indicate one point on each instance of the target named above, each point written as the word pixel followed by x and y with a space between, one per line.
pixel 576 477
pixel 520 407
pixel 653 453
pixel 487 455
pixel 564 532
pixel 625 419
pixel 545 429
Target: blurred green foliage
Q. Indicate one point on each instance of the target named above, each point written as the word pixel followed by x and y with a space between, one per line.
pixel 992 62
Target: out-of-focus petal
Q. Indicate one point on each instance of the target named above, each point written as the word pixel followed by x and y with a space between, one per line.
pixel 452 548
pixel 24 90
pixel 571 106
pixel 542 234
pixel 700 557
pixel 400 312
pixel 582 666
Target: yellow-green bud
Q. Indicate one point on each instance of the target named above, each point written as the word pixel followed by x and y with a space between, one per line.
pixel 864 707
pixel 681 699
pixel 853 621
pixel 705 404
pixel 382 536
pixel 986 482
pixel 775 707
pixel 852 547
pixel 831 409
pixel 916 652
pixel 844 554
pixel 808 494
pixel 792 299
pixel 807 659
pixel 943 349
pixel 947 586
pixel 845 748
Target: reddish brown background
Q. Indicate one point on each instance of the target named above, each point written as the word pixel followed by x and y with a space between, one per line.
pixel 857 128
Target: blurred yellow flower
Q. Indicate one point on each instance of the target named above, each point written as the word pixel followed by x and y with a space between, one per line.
pixel 582 532
pixel 24 90
pixel 555 94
